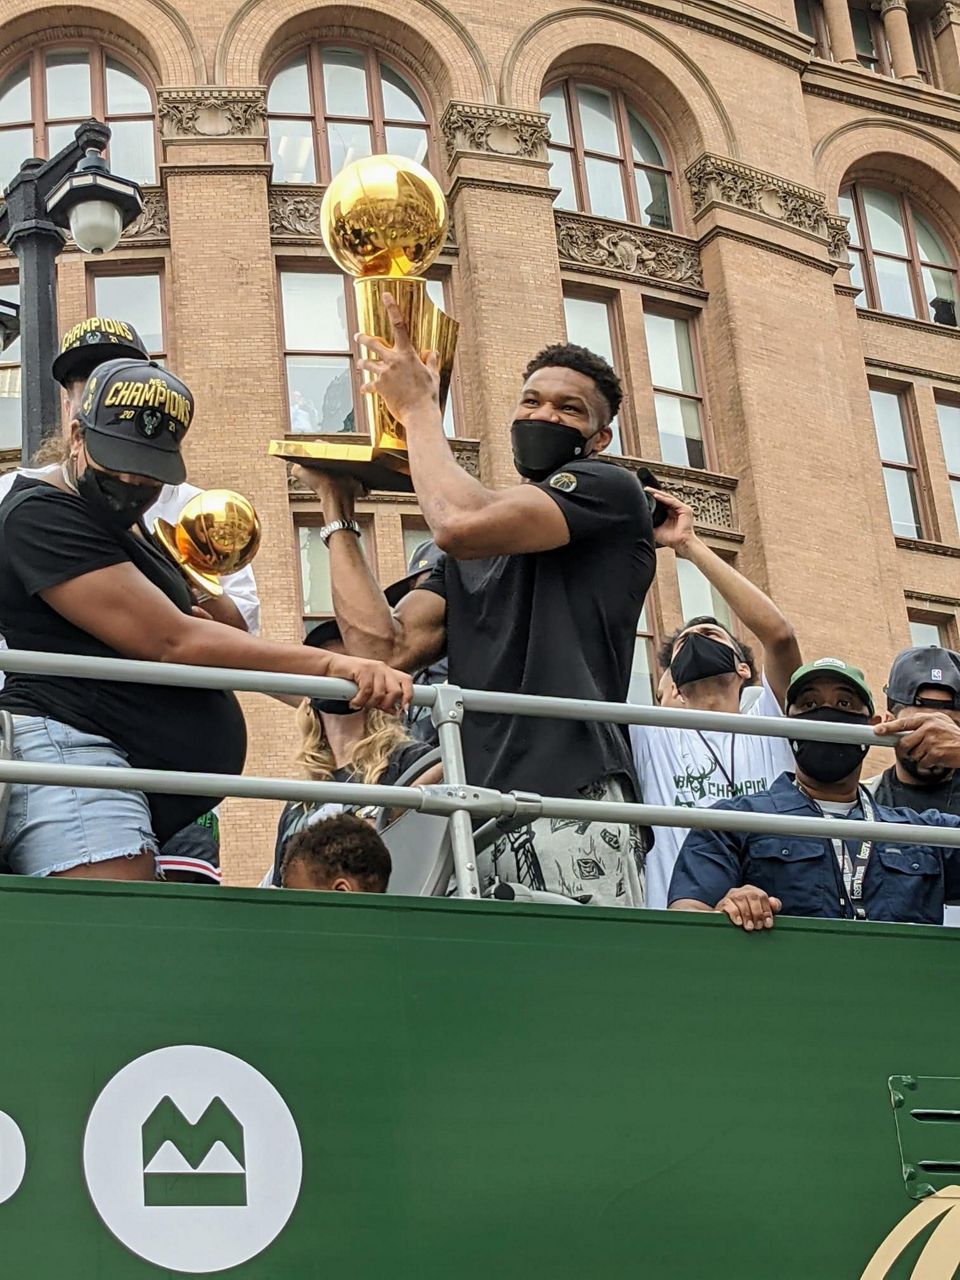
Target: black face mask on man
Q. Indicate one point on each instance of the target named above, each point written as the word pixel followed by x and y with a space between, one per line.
pixel 701 657
pixel 119 503
pixel 541 447
pixel 331 707
pixel 829 762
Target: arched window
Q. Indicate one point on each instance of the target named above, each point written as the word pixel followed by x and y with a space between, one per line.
pixel 902 264
pixel 45 97
pixel 604 158
pixel 331 105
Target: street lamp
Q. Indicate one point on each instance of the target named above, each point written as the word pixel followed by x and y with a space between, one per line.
pixel 73 189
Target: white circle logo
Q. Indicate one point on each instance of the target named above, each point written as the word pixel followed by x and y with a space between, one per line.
pixel 192 1159
pixel 13 1157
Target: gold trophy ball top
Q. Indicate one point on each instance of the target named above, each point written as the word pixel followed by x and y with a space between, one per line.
pixel 218 532
pixel 384 216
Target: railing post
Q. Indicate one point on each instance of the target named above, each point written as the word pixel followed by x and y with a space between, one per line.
pixel 448 716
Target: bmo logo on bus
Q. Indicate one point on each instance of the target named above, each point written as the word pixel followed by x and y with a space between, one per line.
pixel 191 1158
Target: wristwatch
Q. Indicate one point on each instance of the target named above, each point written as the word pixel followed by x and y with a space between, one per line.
pixel 335 525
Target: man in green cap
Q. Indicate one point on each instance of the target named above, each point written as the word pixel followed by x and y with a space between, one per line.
pixel 751 876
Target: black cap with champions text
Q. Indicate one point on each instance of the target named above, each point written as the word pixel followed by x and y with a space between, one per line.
pixel 916 669
pixel 93 341
pixel 134 415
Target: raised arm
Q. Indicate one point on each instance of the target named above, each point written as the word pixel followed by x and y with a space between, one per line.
pixel 755 609
pixel 122 608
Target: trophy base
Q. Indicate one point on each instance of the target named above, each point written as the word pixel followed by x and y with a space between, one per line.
pixel 374 468
pixel 166 535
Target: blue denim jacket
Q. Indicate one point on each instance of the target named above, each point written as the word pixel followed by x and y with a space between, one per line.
pixel 907 883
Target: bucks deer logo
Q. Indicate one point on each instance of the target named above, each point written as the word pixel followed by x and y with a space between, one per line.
pixel 941 1253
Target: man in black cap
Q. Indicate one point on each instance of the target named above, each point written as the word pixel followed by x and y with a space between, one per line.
pixel 424 560
pixel 923 692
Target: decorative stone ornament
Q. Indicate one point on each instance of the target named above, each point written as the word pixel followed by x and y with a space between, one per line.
pixel 212 112
pixel 723 181
pixel 631 252
pixel 498 131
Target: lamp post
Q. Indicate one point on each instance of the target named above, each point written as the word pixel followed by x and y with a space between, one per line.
pixel 73 189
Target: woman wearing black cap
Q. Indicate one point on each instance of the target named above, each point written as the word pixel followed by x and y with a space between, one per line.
pixel 80 575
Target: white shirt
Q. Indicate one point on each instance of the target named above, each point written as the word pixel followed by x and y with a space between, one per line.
pixel 240 587
pixel 677 767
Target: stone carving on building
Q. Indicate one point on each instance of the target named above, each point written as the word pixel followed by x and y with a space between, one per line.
pixel 947 13
pixel 294 212
pixel 213 112
pixel 154 222
pixel 715 178
pixel 627 251
pixel 499 131
pixel 838 236
pixel 712 503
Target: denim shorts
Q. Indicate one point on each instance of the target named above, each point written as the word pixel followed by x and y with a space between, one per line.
pixel 53 828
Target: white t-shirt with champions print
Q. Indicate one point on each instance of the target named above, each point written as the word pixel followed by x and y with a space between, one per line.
pixel 695 769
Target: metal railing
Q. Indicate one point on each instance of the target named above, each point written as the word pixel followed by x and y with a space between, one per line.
pixel 455 798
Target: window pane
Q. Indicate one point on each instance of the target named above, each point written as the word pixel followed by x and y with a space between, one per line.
pixel 561 175
pixel 399 100
pixel 588 325
pixel 893 281
pixel 126 93
pixel 348 142
pixel 645 150
pixel 407 141
pixel 932 248
pixel 59 136
pixel 670 352
pixel 135 299
pixel 955 490
pixel 653 198
pixel 321 394
pixel 888 419
pixel 605 187
pixel 697 596
pixel 884 220
pixel 413 540
pixel 863 36
pixel 11 293
pixel 15 96
pixel 554 104
pixel 435 292
pixel 940 291
pixel 345 83
pixel 16 145
pixel 804 17
pixel 291 150
pixel 314 572
pixel 856 277
pixel 949 418
pixel 597 121
pixel 314 311
pixel 845 207
pixel 10 421
pixel 290 89
pixel 678 425
pixel 68 85
pixel 902 500
pixel 131 150
pixel 922 633
pixel 641 674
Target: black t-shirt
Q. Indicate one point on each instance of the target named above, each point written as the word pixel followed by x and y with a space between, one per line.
pixel 48 537
pixel 945 796
pixel 560 623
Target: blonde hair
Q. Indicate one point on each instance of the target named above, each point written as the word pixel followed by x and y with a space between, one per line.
pixel 52 448
pixel 368 757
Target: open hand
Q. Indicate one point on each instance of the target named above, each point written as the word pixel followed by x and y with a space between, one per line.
pixel 337 491
pixel 677 530
pixel 749 908
pixel 406 379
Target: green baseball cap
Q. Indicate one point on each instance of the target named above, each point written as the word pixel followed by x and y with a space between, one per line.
pixel 835 667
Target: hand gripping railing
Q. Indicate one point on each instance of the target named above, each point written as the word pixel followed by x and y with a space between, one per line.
pixel 455 798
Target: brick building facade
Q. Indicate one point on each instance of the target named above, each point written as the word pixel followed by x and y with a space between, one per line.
pixel 754 209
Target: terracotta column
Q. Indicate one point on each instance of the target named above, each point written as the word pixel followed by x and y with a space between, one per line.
pixel 841 32
pixel 896 28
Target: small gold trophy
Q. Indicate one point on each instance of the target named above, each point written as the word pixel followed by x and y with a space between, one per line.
pixel 218 532
pixel 384 220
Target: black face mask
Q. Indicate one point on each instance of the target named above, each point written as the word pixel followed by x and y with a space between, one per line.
pixel 540 447
pixel 701 657
pixel 117 502
pixel 331 707
pixel 830 761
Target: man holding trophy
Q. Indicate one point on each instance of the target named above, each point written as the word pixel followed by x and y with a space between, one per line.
pixel 541 584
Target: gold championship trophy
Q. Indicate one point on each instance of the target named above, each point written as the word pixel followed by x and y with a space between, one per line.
pixel 218 532
pixel 384 220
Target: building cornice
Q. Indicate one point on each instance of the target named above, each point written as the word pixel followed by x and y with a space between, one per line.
pixel 503 133
pixel 919 102
pixel 905 322
pixel 928 548
pixel 717 179
pixel 926 597
pixel 626 252
pixel 768 246
pixel 212 111
pixel 911 370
